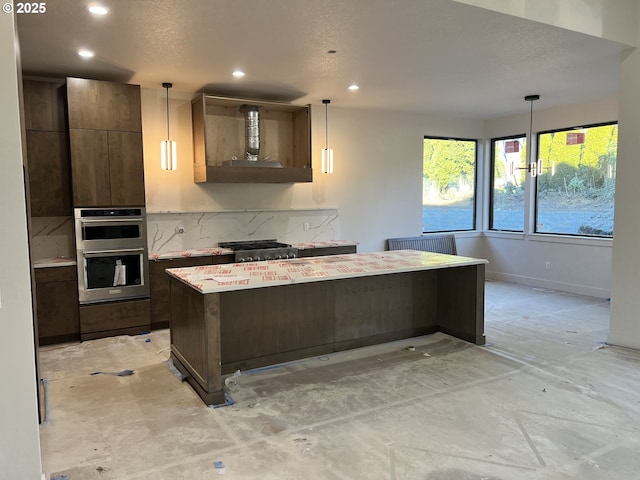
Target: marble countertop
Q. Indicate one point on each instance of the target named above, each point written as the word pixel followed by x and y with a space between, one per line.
pixel 242 276
pixel 206 252
pixel 54 262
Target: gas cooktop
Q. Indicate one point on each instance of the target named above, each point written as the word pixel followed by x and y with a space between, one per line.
pixel 258 250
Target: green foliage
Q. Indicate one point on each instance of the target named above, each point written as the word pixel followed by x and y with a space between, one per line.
pixel 584 169
pixel 448 163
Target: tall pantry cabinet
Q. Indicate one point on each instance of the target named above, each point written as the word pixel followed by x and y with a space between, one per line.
pixel 105 135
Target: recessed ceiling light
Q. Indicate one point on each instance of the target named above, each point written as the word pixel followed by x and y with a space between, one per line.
pixel 353 87
pixel 98 10
pixel 85 53
pixel 238 73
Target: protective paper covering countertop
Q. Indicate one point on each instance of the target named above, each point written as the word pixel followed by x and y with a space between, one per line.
pixel 242 276
pixel 205 252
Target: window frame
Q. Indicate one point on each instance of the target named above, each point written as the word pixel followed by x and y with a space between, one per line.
pixel 492 171
pixel 534 223
pixel 475 183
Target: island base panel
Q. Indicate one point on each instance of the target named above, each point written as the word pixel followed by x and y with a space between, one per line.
pixel 215 397
pixel 218 333
pixel 257 362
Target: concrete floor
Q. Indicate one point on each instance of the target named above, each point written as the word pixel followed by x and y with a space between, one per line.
pixel 545 399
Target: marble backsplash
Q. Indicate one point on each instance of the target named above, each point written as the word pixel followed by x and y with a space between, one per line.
pixel 52 237
pixel 182 231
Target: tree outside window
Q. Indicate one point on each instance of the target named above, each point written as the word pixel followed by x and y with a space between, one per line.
pixel 575 193
pixel 448 184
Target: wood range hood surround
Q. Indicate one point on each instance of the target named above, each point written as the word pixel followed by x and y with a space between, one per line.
pixel 219 136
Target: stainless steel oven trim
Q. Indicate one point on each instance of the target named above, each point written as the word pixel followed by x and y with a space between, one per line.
pixel 111 247
pixel 83 244
pixel 111 253
pixel 108 221
pixel 109 294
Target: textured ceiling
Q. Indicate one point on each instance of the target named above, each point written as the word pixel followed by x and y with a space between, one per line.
pixel 433 56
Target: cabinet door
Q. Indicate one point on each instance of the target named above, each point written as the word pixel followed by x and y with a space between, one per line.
pixel 44 106
pixel 49 173
pixel 126 168
pixel 57 304
pixel 90 168
pixel 99 105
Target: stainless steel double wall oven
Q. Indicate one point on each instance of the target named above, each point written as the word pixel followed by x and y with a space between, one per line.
pixel 111 245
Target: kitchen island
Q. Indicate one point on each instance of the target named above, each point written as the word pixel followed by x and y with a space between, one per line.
pixel 247 315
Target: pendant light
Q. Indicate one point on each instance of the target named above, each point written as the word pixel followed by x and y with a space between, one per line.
pixel 168 156
pixel 533 167
pixel 327 153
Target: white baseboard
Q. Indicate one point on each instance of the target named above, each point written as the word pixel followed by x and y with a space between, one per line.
pixel 623 341
pixel 550 284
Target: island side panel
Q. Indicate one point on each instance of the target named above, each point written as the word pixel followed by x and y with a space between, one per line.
pixel 383 308
pixel 195 340
pixel 461 302
pixel 271 325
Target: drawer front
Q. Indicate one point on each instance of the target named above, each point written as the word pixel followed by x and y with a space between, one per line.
pixel 104 317
pixel 56 274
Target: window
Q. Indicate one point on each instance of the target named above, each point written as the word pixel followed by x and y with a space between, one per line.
pixel 575 191
pixel 448 184
pixel 508 159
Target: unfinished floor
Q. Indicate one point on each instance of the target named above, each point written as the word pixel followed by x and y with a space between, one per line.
pixel 544 399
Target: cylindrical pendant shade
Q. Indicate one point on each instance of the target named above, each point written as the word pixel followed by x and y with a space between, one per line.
pixel 168 155
pixel 327 160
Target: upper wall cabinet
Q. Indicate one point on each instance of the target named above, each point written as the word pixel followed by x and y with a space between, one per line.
pixel 47 148
pixel 98 105
pixel 105 131
pixel 276 135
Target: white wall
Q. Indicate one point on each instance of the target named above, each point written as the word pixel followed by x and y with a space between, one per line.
pixel 625 299
pixel 611 19
pixel 19 440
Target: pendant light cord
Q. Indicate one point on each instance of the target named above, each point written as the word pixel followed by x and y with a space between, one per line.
pixel 326 123
pixel 530 99
pixel 167 86
pixel 168 136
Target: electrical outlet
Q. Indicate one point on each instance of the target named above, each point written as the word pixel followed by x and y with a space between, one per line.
pixel 306 226
pixel 547 266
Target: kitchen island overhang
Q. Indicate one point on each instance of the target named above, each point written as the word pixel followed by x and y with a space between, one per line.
pixel 248 315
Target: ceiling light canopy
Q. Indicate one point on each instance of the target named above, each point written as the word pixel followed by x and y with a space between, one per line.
pixel 98 9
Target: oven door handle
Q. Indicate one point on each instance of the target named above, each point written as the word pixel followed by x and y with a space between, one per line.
pixel 111 220
pixel 97 253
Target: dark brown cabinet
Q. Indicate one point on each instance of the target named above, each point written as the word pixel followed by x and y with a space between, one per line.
pixel 105 132
pixel 47 144
pixel 159 280
pixel 99 105
pixel 159 283
pixel 57 304
pixel 320 251
pixel 99 320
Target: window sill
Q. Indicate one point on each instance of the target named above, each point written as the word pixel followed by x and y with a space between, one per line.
pixel 551 238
